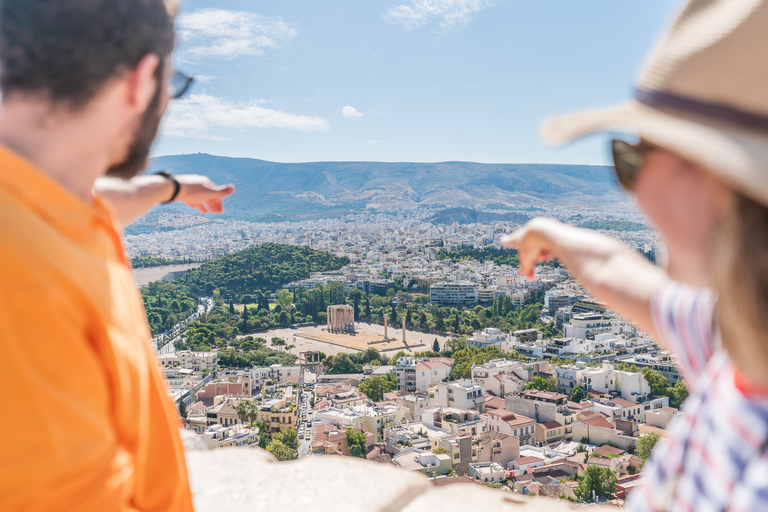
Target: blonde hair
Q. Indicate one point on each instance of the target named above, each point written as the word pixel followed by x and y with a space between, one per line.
pixel 741 263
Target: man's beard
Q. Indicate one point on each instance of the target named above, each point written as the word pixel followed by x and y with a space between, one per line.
pixel 138 153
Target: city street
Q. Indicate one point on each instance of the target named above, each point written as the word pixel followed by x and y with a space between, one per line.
pixel 178 330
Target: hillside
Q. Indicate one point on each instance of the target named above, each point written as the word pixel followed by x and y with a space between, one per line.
pixel 264 267
pixel 274 191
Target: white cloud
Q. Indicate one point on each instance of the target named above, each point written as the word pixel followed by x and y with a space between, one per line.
pixel 205 116
pixel 446 13
pixel 373 141
pixel 220 33
pixel 351 112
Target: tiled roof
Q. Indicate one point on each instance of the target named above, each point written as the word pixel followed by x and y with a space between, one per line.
pixel 441 482
pixel 527 460
pixel 494 402
pixel 550 425
pixel 599 421
pixel 607 449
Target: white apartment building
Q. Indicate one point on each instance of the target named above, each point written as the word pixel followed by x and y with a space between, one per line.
pixel 489 337
pixel 587 325
pixel 568 346
pixel 462 394
pixel 488 295
pixel 197 361
pixel 569 376
pixel 494 367
pixel 630 386
pixel 462 293
pixel 376 417
pixel 418 375
pixel 276 373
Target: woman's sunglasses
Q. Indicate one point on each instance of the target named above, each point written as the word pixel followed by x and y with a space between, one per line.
pixel 628 160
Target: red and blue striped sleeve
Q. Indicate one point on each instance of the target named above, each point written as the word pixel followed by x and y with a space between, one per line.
pixel 683 316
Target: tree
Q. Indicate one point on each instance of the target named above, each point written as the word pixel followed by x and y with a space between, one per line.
pixel 278 342
pixel 600 480
pixel 657 382
pixel 282 452
pixel 577 394
pixel 289 437
pixel 375 387
pixel 356 442
pixel 539 383
pixel 242 410
pixel 436 346
pixel 231 307
pixel 264 437
pixel 284 299
pixel 252 412
pixel 183 411
pixel 678 394
pixel 645 445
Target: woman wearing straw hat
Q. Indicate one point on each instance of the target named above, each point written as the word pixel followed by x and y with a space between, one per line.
pixel 700 172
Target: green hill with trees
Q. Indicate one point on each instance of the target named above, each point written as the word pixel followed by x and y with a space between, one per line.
pixel 242 274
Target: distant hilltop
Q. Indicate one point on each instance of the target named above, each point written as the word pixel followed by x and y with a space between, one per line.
pixel 294 191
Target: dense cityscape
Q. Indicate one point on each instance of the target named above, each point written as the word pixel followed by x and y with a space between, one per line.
pixel 426 351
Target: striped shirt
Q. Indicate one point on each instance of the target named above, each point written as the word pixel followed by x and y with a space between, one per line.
pixel 714 457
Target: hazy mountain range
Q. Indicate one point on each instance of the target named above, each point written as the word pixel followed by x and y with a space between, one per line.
pixel 318 189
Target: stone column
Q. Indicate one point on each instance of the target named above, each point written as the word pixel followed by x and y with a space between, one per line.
pixel 386 337
pixel 404 342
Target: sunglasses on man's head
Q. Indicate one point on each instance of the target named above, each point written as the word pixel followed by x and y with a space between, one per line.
pixel 628 159
pixel 179 85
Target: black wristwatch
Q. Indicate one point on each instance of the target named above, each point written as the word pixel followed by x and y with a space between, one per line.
pixel 176 185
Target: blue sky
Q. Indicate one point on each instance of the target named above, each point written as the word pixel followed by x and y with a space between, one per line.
pixel 402 80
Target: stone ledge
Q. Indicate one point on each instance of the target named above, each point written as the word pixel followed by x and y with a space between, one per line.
pixel 248 479
pixel 466 497
pixel 251 479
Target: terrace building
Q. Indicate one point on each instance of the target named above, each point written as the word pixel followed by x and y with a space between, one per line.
pixel 490 337
pixel 454 294
pixel 463 394
pixel 543 406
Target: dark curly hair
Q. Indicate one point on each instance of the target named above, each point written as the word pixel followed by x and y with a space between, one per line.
pixel 67 50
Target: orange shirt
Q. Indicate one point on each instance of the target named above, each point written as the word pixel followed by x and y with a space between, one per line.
pixel 87 423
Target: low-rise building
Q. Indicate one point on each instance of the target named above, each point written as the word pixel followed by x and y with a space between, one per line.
pixel 587 325
pixel 462 394
pixel 218 436
pixel 279 414
pixel 488 471
pixel 490 337
pixel 331 440
pixel 543 406
pixel 496 447
pixel 511 424
pixel 422 461
pixel 630 386
pixel 455 421
pixel 549 432
pixel 197 361
pixel 419 374
pixel 224 412
pixel 276 374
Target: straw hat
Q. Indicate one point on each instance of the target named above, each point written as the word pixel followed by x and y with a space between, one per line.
pixel 703 94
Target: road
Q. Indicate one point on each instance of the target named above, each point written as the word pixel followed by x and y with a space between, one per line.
pixel 178 330
pixel 305 445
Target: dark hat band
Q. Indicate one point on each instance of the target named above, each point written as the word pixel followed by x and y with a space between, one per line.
pixel 717 111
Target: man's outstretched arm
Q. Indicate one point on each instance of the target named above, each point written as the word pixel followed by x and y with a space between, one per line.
pixel 610 270
pixel 135 197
